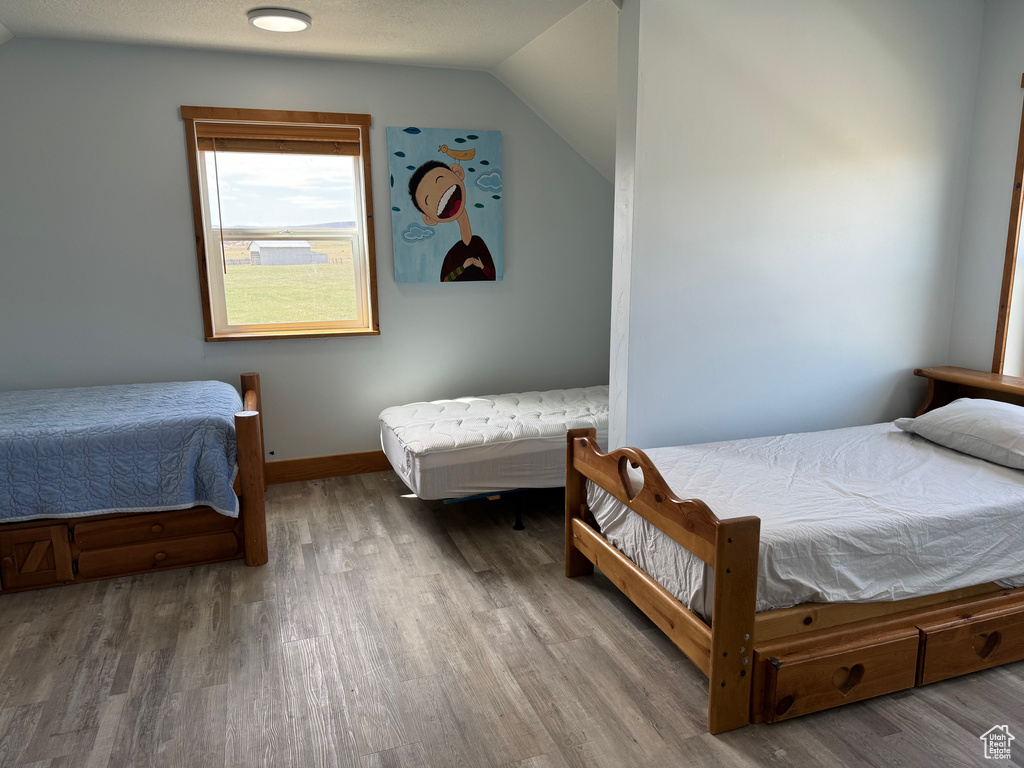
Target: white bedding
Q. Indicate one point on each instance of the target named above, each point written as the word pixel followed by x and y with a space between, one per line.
pixel 864 514
pixel 449 449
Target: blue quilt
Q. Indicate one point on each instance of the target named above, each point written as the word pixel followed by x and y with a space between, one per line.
pixel 132 448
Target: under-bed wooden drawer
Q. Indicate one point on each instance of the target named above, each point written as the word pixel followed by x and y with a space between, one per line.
pixel 811 680
pixel 156 555
pixel 35 556
pixel 970 643
pixel 155 526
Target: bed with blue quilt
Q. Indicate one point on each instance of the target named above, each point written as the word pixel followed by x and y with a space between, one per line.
pixel 102 481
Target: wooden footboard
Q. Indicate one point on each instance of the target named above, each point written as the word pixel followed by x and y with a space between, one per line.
pixel 724 650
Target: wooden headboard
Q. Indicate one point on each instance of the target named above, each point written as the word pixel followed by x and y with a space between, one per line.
pixel 948 383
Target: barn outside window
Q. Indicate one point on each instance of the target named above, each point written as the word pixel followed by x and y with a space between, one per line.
pixel 283 218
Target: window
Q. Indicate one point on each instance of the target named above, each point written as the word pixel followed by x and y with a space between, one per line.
pixel 1009 352
pixel 283 218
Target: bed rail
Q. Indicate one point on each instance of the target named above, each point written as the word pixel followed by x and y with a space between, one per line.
pixel 722 651
pixel 249 436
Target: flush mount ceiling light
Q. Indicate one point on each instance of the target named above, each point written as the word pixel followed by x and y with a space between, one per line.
pixel 280 19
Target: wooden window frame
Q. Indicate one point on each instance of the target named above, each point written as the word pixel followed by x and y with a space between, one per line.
pixel 1010 263
pixel 254 130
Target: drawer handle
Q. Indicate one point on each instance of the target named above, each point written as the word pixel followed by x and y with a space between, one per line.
pixel 847 678
pixel 157 528
pixel 988 645
pixel 8 562
pixel 160 556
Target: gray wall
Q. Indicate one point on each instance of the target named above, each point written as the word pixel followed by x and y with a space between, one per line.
pixel 798 196
pixel 989 187
pixel 97 262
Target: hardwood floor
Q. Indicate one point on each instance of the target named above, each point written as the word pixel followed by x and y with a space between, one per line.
pixel 387 631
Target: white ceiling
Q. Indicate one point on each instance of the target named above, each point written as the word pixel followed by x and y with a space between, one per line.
pixel 473 34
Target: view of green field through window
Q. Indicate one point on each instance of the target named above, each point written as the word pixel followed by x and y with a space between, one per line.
pixel 290 236
pixel 289 293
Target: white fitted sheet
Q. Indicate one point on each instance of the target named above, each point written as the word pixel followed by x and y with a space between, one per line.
pixel 455 448
pixel 865 514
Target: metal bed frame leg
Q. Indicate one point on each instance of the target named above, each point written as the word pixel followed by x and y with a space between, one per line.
pixel 518 526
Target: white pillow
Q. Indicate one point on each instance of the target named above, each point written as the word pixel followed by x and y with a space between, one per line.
pixel 988 429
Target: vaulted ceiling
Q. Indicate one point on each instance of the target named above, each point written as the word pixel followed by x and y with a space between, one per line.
pixel 558 56
pixel 568 74
pixel 474 34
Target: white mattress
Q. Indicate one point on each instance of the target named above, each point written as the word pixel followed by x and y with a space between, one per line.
pixel 865 514
pixel 455 448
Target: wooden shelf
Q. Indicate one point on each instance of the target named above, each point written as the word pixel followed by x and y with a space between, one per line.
pixel 996 382
pixel 946 383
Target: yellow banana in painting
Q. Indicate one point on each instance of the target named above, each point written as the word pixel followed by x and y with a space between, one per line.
pixel 457 154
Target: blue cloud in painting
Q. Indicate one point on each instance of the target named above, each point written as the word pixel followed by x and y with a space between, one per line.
pixel 414 233
pixel 490 181
pixel 412 129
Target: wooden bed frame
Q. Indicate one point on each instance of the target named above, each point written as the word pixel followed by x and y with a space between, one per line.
pixel 45 553
pixel 775 665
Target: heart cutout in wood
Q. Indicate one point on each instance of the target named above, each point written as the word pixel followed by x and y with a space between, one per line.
pixel 847 678
pixel 985 645
pixel 632 481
